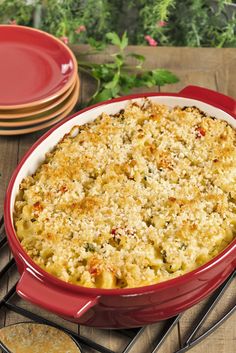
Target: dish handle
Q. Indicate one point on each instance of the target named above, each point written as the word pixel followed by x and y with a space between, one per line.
pixel 211 97
pixel 71 305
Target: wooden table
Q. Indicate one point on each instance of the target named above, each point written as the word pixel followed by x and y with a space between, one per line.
pixel 211 68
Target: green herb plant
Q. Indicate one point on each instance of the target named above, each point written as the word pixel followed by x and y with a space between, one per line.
pixel 116 77
pixel 193 23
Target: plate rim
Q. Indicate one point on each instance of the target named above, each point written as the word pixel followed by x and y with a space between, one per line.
pixel 47 114
pixel 38 127
pixel 44 109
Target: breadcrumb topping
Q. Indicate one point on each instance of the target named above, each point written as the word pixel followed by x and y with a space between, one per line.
pixel 132 199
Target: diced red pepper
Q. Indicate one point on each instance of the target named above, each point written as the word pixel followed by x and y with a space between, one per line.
pixel 94 267
pixel 38 206
pixel 63 189
pixel 200 132
pixel 94 271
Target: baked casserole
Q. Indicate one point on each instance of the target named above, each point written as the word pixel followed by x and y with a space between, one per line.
pixel 132 199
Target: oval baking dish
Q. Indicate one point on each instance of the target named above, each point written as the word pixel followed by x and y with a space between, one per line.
pixel 116 308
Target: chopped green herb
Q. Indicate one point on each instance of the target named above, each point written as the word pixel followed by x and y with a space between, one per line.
pixel 164 256
pixel 183 246
pixel 89 247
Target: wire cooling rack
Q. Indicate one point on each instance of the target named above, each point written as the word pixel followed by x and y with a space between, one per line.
pixel 12 303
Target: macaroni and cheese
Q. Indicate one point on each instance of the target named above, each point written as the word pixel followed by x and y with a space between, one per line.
pixel 132 199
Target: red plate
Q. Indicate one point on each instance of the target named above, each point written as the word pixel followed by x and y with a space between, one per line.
pixel 35 67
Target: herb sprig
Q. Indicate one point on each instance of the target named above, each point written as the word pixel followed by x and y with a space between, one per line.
pixel 116 77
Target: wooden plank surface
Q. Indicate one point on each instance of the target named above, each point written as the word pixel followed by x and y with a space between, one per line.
pixel 210 68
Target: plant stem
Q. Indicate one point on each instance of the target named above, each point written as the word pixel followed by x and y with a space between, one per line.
pixel 196 34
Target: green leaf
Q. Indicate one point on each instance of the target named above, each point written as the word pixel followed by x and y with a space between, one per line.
pixel 125 90
pixel 145 79
pixel 111 66
pixel 100 71
pixel 97 45
pixel 113 83
pixel 115 91
pixel 162 77
pixel 148 83
pixel 119 59
pixel 103 95
pixel 114 38
pixel 138 57
pixel 127 81
pixel 124 41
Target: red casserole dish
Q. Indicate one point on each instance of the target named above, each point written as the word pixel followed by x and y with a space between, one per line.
pixel 116 308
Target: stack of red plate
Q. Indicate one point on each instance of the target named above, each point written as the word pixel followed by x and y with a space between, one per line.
pixel 39 84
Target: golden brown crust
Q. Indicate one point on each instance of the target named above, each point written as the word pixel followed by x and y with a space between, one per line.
pixel 132 199
pixel 36 338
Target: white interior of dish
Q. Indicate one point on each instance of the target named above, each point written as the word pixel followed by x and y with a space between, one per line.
pixel 38 154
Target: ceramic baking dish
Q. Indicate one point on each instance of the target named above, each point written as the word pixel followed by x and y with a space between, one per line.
pixel 116 308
